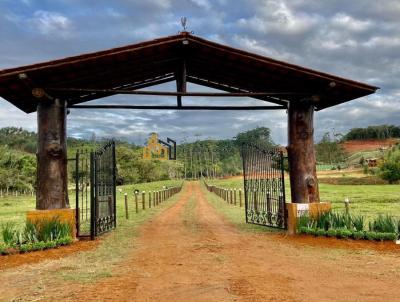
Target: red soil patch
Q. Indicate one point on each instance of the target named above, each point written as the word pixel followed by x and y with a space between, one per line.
pixel 38 256
pixel 367 145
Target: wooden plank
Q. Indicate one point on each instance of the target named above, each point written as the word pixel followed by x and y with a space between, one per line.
pixel 178 108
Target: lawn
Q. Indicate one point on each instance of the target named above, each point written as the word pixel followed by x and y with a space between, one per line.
pixel 367 200
pixel 13 209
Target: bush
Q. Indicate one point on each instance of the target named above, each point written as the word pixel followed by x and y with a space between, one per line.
pixel 344 233
pixel 358 235
pixel 30 232
pixel 390 171
pixel 320 232
pixel 372 235
pixel 358 222
pixel 331 233
pixel 49 230
pixel 9 233
pixel 41 245
pixel 302 230
pixel 388 236
pixel 383 224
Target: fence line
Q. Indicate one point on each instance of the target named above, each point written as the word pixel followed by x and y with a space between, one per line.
pixel 230 195
pixel 16 193
pixel 154 198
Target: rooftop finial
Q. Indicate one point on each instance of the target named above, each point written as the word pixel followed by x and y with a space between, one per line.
pixel 184 23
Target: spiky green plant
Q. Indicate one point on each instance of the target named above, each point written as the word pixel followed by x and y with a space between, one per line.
pixel 9 232
pixel 358 222
pixel 383 224
pixel 30 232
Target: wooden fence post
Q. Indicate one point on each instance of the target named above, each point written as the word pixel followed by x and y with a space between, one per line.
pixel 234 196
pixel 126 206
pixel 136 203
pixel 149 200
pixel 144 200
pixel 240 197
pixel 231 196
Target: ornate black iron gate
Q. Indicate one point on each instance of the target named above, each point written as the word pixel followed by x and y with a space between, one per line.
pixel 95 190
pixel 264 186
pixel 103 189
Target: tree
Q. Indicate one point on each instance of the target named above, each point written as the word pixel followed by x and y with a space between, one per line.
pixel 260 136
pixel 390 169
pixel 329 151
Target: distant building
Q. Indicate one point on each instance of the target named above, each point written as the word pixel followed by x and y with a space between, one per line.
pixel 155 150
pixel 372 162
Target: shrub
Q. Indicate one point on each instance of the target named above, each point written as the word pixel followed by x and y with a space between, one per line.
pixel 303 221
pixel 9 233
pixel 41 245
pixel 383 224
pixel 344 233
pixel 303 230
pixel 331 233
pixel 358 222
pixel 320 232
pixel 388 236
pixel 49 230
pixel 372 235
pixel 324 221
pixel 30 232
pixel 358 235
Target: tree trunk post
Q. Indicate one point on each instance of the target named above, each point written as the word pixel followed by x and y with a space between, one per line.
pixel 301 154
pixel 52 186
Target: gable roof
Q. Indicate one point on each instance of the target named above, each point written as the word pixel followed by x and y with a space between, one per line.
pixel 157 61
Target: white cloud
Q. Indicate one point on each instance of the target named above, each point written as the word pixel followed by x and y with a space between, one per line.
pixel 51 23
pixel 350 23
pixel 276 16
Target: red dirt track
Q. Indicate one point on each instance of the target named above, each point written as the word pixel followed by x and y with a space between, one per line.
pixel 191 253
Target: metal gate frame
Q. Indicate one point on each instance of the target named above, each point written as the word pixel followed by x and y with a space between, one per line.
pixel 103 190
pixel 95 185
pixel 264 186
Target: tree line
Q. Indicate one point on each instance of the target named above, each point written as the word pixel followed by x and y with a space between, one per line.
pixel 207 158
pixel 373 132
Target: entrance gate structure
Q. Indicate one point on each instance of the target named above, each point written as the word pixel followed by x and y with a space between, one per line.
pixel 95 190
pixel 51 88
pixel 264 186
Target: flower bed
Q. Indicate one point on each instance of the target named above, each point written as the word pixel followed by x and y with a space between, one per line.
pixel 342 225
pixel 36 236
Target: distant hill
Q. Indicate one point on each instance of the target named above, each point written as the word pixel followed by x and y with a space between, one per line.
pixel 363 145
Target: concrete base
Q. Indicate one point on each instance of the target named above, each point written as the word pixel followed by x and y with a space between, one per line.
pixel 64 215
pixel 297 209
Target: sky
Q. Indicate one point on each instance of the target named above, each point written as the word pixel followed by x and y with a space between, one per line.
pixel 357 39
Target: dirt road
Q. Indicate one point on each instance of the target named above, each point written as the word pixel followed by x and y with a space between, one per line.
pixel 191 253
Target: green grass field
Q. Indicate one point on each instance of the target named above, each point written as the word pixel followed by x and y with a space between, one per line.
pixel 367 200
pixel 13 209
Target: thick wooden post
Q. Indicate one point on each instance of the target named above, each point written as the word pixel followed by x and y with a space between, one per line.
pixel 302 164
pixel 52 186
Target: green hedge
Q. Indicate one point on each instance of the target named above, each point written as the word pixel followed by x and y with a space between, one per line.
pixel 34 246
pixel 342 225
pixel 345 233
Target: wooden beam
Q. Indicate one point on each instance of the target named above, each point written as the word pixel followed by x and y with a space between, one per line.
pixel 155 107
pixel 181 81
pixel 168 93
pixel 138 85
pixel 52 186
pixel 216 85
pixel 301 153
